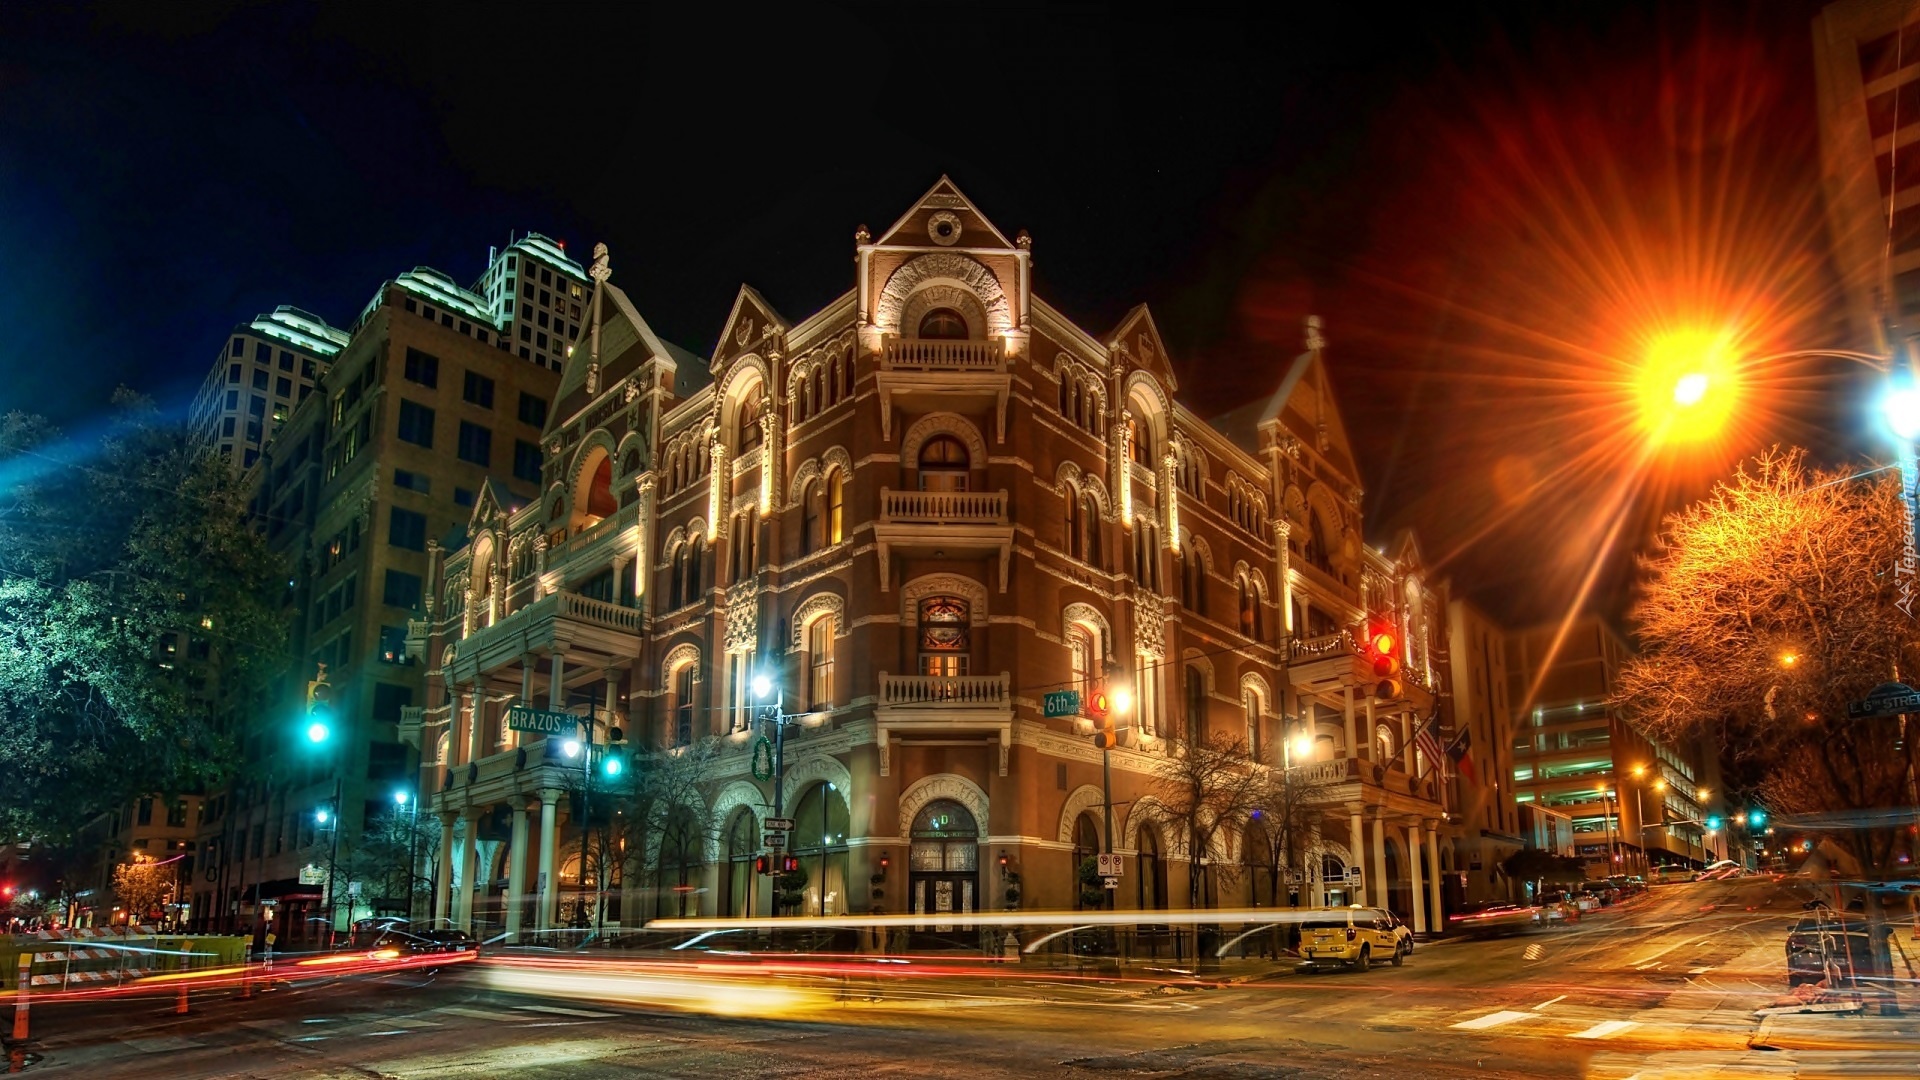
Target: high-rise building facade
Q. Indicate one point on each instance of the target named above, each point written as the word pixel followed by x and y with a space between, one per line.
pixel 426 412
pixel 915 513
pixel 1866 56
pixel 265 369
pixel 1574 754
pixel 1488 820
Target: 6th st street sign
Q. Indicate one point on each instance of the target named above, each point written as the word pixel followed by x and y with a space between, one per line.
pixel 1060 703
pixel 1887 699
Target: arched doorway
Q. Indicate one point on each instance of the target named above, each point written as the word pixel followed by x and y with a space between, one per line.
pixel 1257 862
pixel 737 887
pixel 943 860
pixel 1153 871
pixel 1085 887
pixel 1333 876
pixel 679 868
pixel 819 887
pixel 1399 887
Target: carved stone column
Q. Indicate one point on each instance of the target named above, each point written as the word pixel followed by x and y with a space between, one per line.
pixel 1283 585
pixel 517 869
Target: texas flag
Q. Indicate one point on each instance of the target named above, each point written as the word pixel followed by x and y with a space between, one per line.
pixel 1459 754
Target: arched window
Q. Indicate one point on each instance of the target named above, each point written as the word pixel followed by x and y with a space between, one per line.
pixel 945 636
pixel 1383 743
pixel 1196 717
pixel 694 568
pixel 1251 701
pixel 943 464
pixel 1249 608
pixel 599 494
pixel 750 434
pixel 1146 555
pixel 1193 580
pixel 684 688
pixel 1086 845
pixel 1090 531
pixel 743 846
pixel 820 842
pixel 1315 547
pixel 943 324
pixel 1076 541
pixel 631 463
pixel 813 514
pixel 1153 871
pixel 1067 392
pixel 746 534
pixel 820 664
pixel 836 506
pixel 1082 659
pixel 677 576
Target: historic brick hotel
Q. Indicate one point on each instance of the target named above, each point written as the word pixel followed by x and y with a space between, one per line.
pixel 919 509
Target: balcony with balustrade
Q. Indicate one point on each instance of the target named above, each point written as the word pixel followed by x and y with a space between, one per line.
pixel 1359 781
pixel 944 524
pixel 962 373
pixel 561 623
pixel 1327 664
pixel 943 709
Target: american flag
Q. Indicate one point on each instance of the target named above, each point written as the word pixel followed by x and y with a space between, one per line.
pixel 1430 746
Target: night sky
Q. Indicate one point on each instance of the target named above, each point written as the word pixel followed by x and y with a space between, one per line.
pixel 168 170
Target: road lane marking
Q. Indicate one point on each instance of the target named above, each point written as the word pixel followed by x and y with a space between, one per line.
pixel 1700 970
pixel 1548 1002
pixel 1495 1019
pixel 478 1014
pixel 1606 1029
pixel 559 1011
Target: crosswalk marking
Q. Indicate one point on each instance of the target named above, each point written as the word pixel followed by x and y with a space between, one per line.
pixel 1606 1029
pixel 1495 1019
pixel 558 1011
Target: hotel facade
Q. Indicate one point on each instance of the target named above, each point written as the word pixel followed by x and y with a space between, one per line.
pixel 916 512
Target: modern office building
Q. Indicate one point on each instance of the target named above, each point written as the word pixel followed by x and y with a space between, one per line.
pixel 1866 57
pixel 1486 819
pixel 1574 754
pixel 917 511
pixel 265 369
pixel 426 413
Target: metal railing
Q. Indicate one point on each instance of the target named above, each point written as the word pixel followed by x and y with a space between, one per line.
pixel 944 507
pixel 1331 771
pixel 911 354
pixel 979 691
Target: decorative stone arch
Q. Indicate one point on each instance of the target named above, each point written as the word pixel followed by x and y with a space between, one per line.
pixel 1294 505
pixel 672 543
pixel 1200 548
pixel 821 605
pixel 1088 615
pixel 945 268
pixel 1147 809
pixel 1322 501
pixel 555 503
pixel 836 457
pixel 812 770
pixel 586 461
pixel 943 423
pixel 679 656
pixel 807 473
pixel 933 295
pixel 1080 800
pixel 1196 658
pixel 1141 385
pixel 1068 475
pixel 633 441
pixel 735 795
pixel 943 786
pixel 698 528
pixel 1254 682
pixel 748 375
pixel 1091 484
pixel 481 557
pixel 937 584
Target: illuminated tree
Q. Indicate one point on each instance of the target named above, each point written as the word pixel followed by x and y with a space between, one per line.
pixel 1204 787
pixel 1770 605
pixel 141 887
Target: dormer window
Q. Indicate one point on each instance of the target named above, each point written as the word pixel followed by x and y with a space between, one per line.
pixel 943 324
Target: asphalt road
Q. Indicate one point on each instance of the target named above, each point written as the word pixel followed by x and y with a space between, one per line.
pixel 1663 986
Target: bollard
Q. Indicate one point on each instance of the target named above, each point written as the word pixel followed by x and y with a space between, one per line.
pixel 180 1007
pixel 246 971
pixel 20 997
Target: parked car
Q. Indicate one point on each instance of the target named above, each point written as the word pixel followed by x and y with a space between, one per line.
pixel 1495 917
pixel 409 943
pixel 1629 884
pixel 1602 891
pixel 1669 875
pixel 1402 933
pixel 1349 937
pixel 1559 907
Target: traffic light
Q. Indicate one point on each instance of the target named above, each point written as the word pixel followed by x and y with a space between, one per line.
pixel 763 864
pixel 789 864
pixel 613 764
pixel 319 723
pixel 6 892
pixel 1099 709
pixel 1381 646
pixel 1713 821
pixel 1756 818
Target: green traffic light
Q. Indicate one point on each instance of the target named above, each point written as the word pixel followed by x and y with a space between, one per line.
pixel 612 765
pixel 1756 818
pixel 1713 822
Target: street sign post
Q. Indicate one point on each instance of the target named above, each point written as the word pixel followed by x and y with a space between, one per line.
pixel 779 824
pixel 1296 877
pixel 541 721
pixel 1887 699
pixel 1060 703
pixel 1353 875
pixel 766 714
pixel 1110 865
pixel 774 840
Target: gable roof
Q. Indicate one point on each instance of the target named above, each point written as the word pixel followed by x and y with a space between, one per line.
pixel 751 319
pixel 626 342
pixel 1140 337
pixel 943 195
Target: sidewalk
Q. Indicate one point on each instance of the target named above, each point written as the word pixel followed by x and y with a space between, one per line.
pixel 1849 1032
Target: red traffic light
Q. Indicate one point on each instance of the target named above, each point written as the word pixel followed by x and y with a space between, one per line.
pixel 763 865
pixel 1381 639
pixel 790 864
pixel 1099 705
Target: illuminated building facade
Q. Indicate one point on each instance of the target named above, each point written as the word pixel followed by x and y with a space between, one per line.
pixel 265 369
pixel 918 510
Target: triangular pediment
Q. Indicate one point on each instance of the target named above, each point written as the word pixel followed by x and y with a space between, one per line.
pixel 626 343
pixel 750 322
pixel 1138 341
pixel 944 206
pixel 1305 408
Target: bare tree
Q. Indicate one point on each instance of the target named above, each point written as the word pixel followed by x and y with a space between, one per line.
pixel 1207 787
pixel 1770 605
pixel 649 808
pixel 1288 803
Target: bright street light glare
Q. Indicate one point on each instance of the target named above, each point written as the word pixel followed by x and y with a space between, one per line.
pixel 571 747
pixel 1687 387
pixel 1901 406
pixel 1122 702
pixel 1303 747
pixel 317 732
pixel 400 797
pixel 320 816
pixel 762 686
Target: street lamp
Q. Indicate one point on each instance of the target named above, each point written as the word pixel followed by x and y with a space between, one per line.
pixel 412 806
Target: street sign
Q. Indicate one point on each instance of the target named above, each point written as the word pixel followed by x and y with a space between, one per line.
pixel 353 888
pixel 779 824
pixel 541 721
pixel 312 875
pixel 1110 865
pixel 1887 699
pixel 775 840
pixel 1296 877
pixel 1061 703
pixel 1112 883
pixel 766 714
pixel 1353 875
